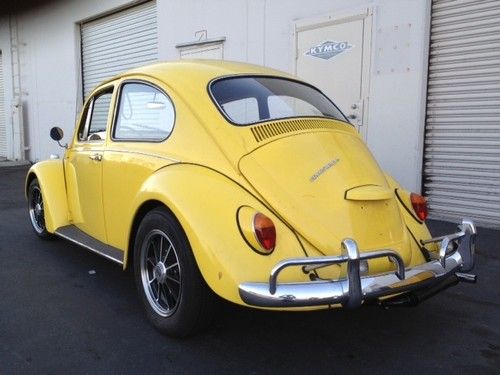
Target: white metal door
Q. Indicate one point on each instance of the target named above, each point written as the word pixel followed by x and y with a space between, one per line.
pixel 3 123
pixel 462 145
pixel 334 55
pixel 115 43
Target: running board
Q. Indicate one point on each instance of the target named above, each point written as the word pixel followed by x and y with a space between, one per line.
pixel 75 235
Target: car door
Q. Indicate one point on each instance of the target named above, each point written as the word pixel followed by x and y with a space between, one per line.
pixel 84 166
pixel 137 147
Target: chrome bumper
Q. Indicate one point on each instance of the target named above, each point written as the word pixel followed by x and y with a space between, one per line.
pixel 456 254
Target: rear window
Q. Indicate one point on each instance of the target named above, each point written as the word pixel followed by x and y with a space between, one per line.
pixel 249 100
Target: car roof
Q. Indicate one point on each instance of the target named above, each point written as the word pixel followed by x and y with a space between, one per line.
pixel 204 70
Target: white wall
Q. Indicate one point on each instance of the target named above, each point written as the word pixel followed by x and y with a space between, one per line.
pixel 7 78
pixel 257 31
pixel 261 32
pixel 49 53
pixel 398 88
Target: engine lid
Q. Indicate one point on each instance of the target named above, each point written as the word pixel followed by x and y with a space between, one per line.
pixel 327 186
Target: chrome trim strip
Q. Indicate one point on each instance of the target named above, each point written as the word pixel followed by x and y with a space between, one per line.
pixel 107 251
pixel 354 289
pixel 144 154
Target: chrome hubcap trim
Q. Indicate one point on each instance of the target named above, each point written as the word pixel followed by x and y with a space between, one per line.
pixel 160 273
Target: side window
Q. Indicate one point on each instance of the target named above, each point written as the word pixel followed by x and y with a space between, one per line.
pixel 96 118
pixel 144 113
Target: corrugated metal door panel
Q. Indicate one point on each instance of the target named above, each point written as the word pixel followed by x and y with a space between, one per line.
pixel 462 144
pixel 115 43
pixel 3 124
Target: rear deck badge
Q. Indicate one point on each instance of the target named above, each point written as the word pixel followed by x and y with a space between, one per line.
pixel 328 49
pixel 323 169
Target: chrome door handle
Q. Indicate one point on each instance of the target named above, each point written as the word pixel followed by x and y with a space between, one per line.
pixel 96 157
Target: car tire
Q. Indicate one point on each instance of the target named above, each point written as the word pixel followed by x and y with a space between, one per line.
pixel 36 211
pixel 177 300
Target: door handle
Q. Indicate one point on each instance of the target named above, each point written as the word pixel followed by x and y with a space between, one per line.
pixel 96 157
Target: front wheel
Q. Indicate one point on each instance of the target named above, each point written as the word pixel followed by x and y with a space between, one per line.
pixel 176 298
pixel 36 210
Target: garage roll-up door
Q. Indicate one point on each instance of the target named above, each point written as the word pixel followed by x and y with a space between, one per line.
pixel 462 144
pixel 118 42
pixel 3 125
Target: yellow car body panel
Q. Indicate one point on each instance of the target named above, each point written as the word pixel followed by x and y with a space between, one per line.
pixel 417 228
pixel 142 159
pixel 118 204
pixel 210 223
pixel 310 191
pixel 50 175
pixel 84 184
pixel 318 182
pixel 84 178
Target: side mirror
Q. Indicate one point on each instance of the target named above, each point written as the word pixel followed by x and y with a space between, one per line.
pixel 56 133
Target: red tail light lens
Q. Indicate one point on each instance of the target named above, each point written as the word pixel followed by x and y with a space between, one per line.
pixel 264 231
pixel 419 204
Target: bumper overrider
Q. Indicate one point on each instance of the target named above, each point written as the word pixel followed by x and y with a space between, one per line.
pixel 456 256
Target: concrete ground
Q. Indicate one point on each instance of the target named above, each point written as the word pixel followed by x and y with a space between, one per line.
pixel 65 310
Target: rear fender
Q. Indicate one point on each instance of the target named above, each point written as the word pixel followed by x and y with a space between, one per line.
pixel 206 203
pixel 50 175
pixel 417 228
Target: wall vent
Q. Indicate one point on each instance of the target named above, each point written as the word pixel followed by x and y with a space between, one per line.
pixel 263 132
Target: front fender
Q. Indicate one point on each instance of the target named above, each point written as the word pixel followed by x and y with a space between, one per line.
pixel 50 175
pixel 205 203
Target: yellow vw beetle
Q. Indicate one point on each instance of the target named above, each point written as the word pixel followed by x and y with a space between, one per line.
pixel 213 178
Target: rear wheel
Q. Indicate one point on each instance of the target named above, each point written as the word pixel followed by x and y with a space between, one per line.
pixel 36 210
pixel 176 298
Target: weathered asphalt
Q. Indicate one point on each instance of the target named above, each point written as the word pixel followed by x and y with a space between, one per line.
pixel 57 317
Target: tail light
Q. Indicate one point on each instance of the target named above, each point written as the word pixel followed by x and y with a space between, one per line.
pixel 419 204
pixel 257 230
pixel 265 232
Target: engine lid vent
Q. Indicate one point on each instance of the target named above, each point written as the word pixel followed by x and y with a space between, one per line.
pixel 265 131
